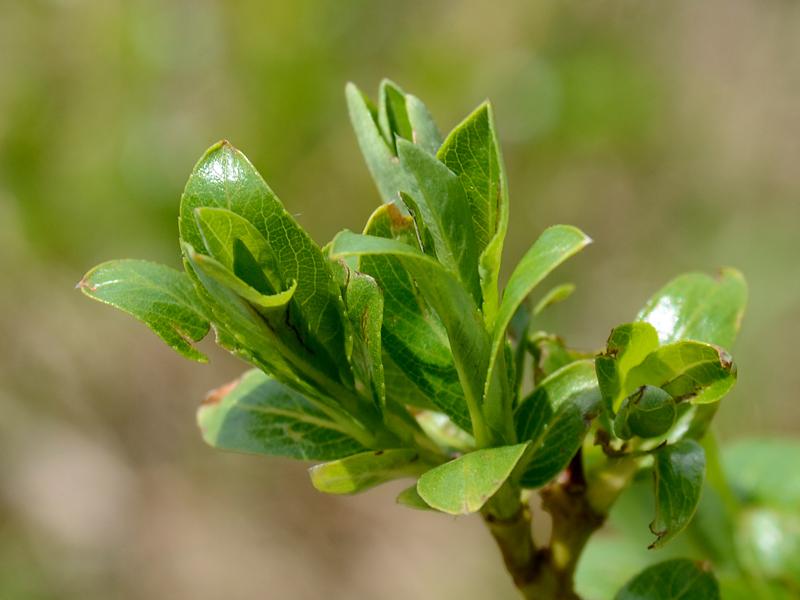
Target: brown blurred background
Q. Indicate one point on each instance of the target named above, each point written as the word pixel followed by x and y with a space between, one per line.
pixel 669 131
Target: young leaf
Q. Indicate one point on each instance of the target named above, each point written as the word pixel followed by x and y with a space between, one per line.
pixel 424 131
pixel 358 473
pixel 465 484
pixel 224 178
pixel 410 497
pixel 627 346
pixel 472 152
pixel 364 303
pixel 676 579
pixel 678 474
pixel 259 415
pixel 698 307
pixel 445 212
pixel 413 335
pixel 392 114
pixel 161 297
pixel 555 418
pixel 649 412
pixel 554 296
pixel 686 370
pixel 553 247
pixel 456 308
pixel 378 153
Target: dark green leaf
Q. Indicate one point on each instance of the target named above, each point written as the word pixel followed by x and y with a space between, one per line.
pixel 160 297
pixel 686 370
pixel 678 474
pixel 472 152
pixel 677 579
pixel 259 415
pixel 462 321
pixel 358 473
pixel 555 418
pixel 413 335
pixel 647 413
pixel 465 484
pixel 698 307
pixel 444 210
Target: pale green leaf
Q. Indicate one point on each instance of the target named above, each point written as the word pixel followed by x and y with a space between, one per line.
pixel 555 417
pixel 762 471
pixel 424 131
pixel 410 497
pixel 464 485
pixel 554 296
pixel 768 543
pixel 161 297
pixel 259 415
pixel 698 307
pixel 677 579
pixel 360 472
pixel 690 370
pixel 627 346
pixel 678 473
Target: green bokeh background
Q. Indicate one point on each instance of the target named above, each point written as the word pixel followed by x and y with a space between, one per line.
pixel 668 131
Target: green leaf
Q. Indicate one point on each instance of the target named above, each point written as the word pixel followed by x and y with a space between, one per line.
pixel 392 114
pixel 768 543
pixel 358 473
pixel 161 297
pixel 364 302
pixel 554 296
pixel 224 178
pixel 424 131
pixel 259 415
pixel 627 346
pixel 472 152
pixel 223 276
pixel 410 497
pixel 698 307
pixel 413 335
pixel 647 413
pixel 378 153
pixel 555 418
pixel 761 471
pixel 444 210
pixel 465 484
pixel 677 579
pixel 686 370
pixel 554 246
pixel 678 474
pixel 455 307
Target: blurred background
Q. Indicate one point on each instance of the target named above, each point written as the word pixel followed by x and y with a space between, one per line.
pixel 669 131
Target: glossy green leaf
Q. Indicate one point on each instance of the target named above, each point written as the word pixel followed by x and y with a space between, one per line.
pixel 259 415
pixel 161 297
pixel 627 346
pixel 410 497
pixel 553 247
pixel 686 370
pixel 554 296
pixel 465 484
pixel 555 417
pixel 678 473
pixel 677 579
pixel 464 326
pixel 224 178
pixel 472 152
pixel 378 153
pixel 364 302
pixel 413 335
pixel 445 212
pixel 698 307
pixel 762 471
pixel 647 413
pixel 360 472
